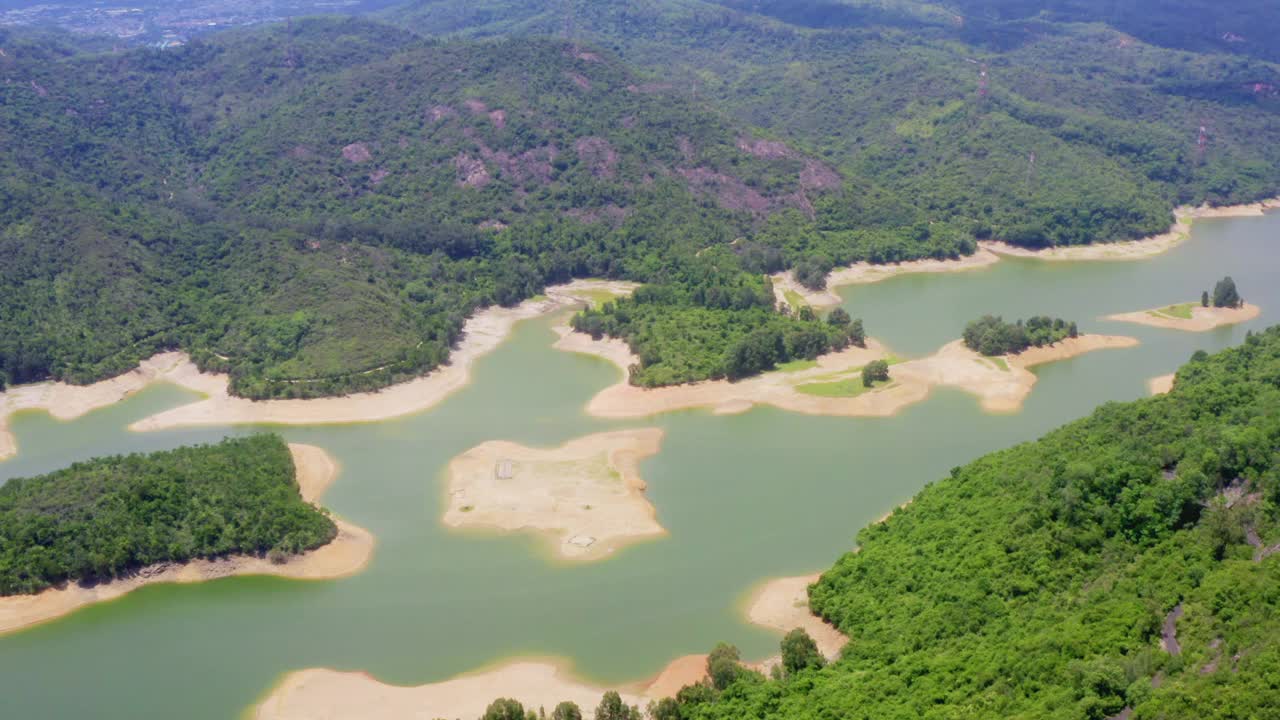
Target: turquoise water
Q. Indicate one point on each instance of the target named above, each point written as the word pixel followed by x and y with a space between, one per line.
pixel 744 497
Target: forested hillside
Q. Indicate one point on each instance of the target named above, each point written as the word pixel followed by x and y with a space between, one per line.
pixel 316 208
pixel 104 518
pixel 1082 132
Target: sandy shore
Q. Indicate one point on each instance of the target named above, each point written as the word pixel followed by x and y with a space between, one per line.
pixel 1160 384
pixel 586 496
pixel 1202 318
pixel 862 273
pixel 1137 249
pixel 68 402
pixel 998 389
pixel 482 333
pixel 346 555
pixel 781 604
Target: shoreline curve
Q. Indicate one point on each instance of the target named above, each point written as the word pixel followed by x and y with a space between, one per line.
pixel 347 554
pixel 482 333
pixel 1202 319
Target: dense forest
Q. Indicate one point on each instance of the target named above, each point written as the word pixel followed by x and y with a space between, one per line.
pixel 1126 565
pixel 104 518
pixel 316 208
pixel 991 335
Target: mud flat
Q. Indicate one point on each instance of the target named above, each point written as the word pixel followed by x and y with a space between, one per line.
pixel 586 496
pixel 482 333
pixel 1001 384
pixel 862 273
pixel 1202 318
pixel 347 554
pixel 1160 384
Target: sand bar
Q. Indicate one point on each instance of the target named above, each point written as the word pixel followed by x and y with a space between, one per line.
pixel 1160 384
pixel 347 554
pixel 482 333
pixel 862 273
pixel 1000 389
pixel 586 496
pixel 1202 318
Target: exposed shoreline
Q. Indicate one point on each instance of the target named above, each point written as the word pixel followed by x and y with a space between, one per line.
pixel 863 273
pixel 1161 384
pixel 586 496
pixel 347 554
pixel 1202 319
pixel 780 604
pixel 482 333
pixel 954 365
pixel 1177 233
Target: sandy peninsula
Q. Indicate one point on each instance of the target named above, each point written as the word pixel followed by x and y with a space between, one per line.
pixel 1202 318
pixel 1160 384
pixel 863 273
pixel 347 554
pixel 482 333
pixel 782 604
pixel 1001 384
pixel 585 496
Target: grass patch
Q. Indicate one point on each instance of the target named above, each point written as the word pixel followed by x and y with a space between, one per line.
pixel 851 387
pixel 999 362
pixel 1181 311
pixel 794 299
pixel 797 365
pixel 466 508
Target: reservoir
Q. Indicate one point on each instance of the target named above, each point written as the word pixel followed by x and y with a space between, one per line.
pixel 744 498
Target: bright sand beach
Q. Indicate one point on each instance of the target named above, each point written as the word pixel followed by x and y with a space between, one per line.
pixel 1160 384
pixel 347 554
pixel 482 333
pixel 1202 319
pixel 586 496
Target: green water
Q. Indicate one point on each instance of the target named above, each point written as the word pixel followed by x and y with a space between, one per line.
pixel 745 498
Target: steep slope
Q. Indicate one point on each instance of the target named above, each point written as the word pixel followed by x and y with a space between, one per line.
pixel 1082 133
pixel 315 209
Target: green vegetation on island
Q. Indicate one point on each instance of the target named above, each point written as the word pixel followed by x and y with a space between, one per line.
pixel 1225 294
pixel 991 335
pixel 104 518
pixel 1124 565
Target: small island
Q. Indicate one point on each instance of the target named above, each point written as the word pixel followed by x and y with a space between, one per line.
pixel 1224 307
pixel 104 527
pixel 586 494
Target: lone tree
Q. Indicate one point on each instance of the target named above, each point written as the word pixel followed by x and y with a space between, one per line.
pixel 612 708
pixel 1225 295
pixel 800 652
pixel 1204 299
pixel 874 372
pixel 857 335
pixel 722 665
pixel 504 709
pixel 567 711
